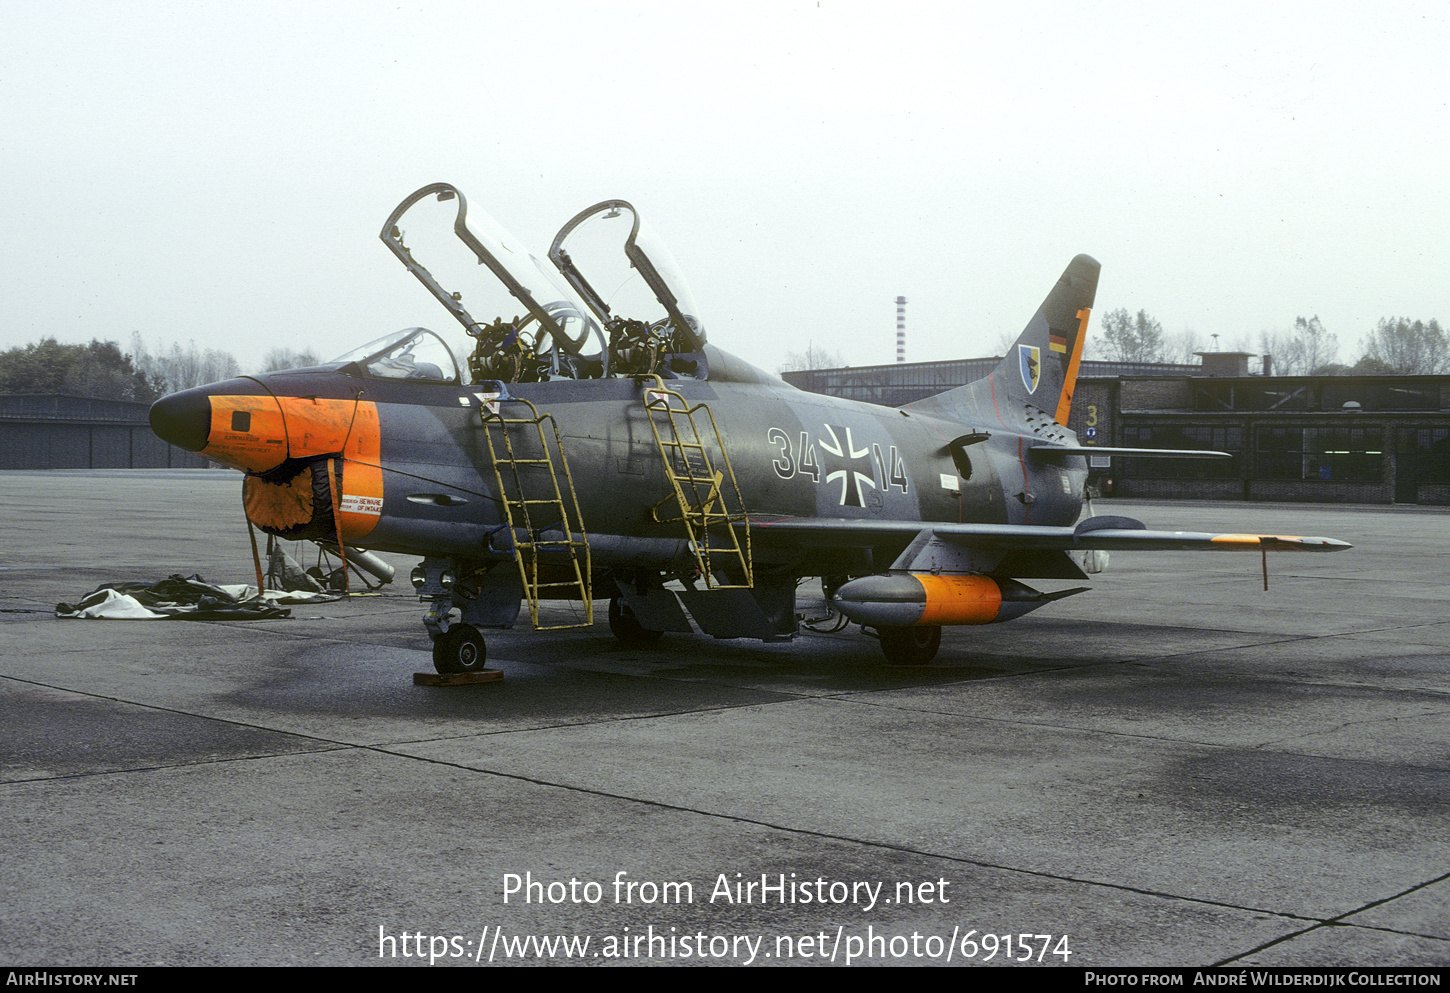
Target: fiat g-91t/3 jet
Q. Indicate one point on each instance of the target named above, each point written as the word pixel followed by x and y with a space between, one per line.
pixel 591 442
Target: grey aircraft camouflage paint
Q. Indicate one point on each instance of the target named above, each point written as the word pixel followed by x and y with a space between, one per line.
pixel 597 446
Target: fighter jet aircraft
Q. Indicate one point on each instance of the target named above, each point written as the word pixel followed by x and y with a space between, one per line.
pixel 591 443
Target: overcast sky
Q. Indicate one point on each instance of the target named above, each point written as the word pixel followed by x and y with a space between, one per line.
pixel 219 173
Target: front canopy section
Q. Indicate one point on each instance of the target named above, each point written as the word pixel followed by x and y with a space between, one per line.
pixel 413 353
pixel 633 285
pixel 528 324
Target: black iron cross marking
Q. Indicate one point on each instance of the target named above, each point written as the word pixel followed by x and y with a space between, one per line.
pixel 851 496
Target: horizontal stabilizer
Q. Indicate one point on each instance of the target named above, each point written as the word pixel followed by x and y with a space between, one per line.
pixel 1056 453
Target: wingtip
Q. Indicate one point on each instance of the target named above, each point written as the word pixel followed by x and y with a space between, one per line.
pixel 1280 542
pixel 1320 544
pixel 1313 544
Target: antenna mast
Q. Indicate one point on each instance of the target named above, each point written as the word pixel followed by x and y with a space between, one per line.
pixel 901 329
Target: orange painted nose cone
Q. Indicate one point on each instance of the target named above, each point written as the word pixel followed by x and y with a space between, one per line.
pixel 248 432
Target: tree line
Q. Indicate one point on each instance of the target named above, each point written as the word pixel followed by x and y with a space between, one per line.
pixel 1398 346
pixel 101 369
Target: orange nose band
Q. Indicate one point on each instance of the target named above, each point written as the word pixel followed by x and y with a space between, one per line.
pixel 259 433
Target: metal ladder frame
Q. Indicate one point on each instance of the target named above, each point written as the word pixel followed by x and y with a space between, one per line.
pixel 706 489
pixel 529 551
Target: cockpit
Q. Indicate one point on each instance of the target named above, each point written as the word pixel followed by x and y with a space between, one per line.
pixel 612 304
pixel 413 353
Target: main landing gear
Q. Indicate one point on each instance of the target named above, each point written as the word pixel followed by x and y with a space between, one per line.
pixel 626 627
pixel 910 645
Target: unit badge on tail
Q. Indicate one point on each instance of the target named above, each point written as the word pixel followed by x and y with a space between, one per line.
pixel 1030 357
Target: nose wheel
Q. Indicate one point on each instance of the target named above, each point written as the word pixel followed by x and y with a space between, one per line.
pixel 459 649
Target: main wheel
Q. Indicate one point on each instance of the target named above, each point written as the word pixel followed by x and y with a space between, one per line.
pixel 460 649
pixel 626 627
pixel 910 646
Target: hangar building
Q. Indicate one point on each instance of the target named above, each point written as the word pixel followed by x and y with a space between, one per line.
pixel 1332 439
pixel 53 431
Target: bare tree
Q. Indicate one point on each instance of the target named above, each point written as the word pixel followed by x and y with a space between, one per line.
pixel 1407 348
pixel 1318 347
pixel 286 358
pixel 1182 347
pixel 814 357
pixel 183 368
pixel 1302 351
pixel 1132 338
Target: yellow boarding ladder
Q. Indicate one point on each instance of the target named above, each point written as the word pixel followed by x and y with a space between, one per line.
pixel 709 508
pixel 532 520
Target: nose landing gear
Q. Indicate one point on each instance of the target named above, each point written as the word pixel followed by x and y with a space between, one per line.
pixel 459 649
pixel 465 596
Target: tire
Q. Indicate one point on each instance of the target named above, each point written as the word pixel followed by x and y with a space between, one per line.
pixel 626 628
pixel 460 649
pixel 910 646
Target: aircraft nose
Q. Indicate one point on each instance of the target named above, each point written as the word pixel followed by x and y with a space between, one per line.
pixel 238 422
pixel 183 419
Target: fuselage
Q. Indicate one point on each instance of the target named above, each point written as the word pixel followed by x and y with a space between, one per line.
pixel 418 476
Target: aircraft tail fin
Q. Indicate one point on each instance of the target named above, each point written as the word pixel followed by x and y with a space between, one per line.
pixel 1041 366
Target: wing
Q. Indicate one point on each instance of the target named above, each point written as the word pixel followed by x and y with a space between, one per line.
pixel 1109 533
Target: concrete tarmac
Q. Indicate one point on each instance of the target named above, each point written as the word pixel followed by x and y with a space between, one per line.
pixel 1177 768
